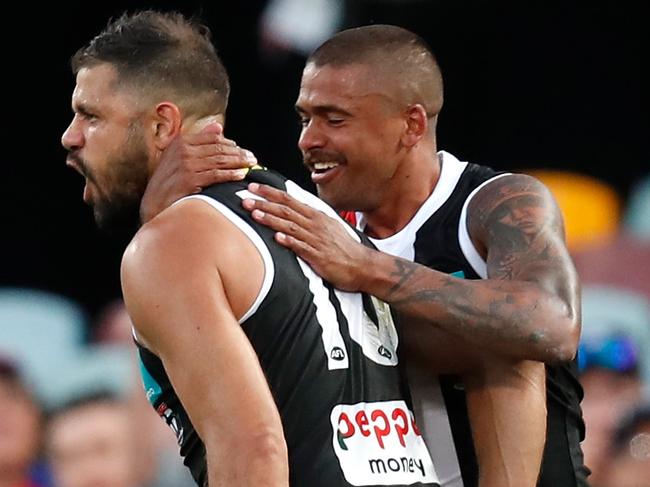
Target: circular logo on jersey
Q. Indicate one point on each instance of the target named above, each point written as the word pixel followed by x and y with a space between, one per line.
pixel 384 352
pixel 337 353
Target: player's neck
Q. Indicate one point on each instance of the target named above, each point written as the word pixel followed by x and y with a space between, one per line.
pixel 408 191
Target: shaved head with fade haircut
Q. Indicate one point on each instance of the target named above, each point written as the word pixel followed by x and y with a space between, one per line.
pixel 396 57
pixel 161 55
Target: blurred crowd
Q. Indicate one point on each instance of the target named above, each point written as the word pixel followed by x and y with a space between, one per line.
pixel 74 413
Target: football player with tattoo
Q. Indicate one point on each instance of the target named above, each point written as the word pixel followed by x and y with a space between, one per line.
pixel 473 259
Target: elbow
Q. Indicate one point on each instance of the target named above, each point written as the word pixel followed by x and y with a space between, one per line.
pixel 252 448
pixel 563 345
pixel 265 457
pixel 260 458
pixel 268 447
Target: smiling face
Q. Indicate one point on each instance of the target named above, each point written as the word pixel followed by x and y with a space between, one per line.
pixel 106 144
pixel 350 138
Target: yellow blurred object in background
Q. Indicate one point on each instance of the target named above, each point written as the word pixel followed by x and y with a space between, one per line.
pixel 591 208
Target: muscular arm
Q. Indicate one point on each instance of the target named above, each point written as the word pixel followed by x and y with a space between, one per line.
pixel 526 309
pixel 506 405
pixel 173 283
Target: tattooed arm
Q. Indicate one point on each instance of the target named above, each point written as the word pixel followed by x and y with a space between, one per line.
pixel 529 305
pixel 528 308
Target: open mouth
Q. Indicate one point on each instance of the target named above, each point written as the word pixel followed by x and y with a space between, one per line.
pixel 322 172
pixel 322 167
pixel 87 197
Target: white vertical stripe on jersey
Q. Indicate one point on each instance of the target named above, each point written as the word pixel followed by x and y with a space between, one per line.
pixel 428 403
pixel 327 319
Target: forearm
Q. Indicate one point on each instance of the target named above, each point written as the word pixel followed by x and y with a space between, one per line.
pixel 513 318
pixel 507 410
pixel 260 460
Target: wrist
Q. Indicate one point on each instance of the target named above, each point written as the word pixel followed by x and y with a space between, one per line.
pixel 369 274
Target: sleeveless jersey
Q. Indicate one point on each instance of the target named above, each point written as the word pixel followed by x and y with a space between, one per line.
pixel 437 237
pixel 330 358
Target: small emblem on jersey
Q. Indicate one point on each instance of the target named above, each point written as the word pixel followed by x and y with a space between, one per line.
pixel 384 352
pixel 378 443
pixel 337 353
pixel 151 387
pixel 380 339
pixel 460 274
pixel 172 421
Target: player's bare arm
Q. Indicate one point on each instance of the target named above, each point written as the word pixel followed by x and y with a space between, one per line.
pixel 178 291
pixel 527 308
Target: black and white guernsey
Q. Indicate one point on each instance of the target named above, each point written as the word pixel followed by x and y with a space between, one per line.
pixel 437 237
pixel 331 360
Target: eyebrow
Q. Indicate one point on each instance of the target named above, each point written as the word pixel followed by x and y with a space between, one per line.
pixel 83 109
pixel 323 110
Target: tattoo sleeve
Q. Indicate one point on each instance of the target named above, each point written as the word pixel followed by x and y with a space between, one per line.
pixel 528 307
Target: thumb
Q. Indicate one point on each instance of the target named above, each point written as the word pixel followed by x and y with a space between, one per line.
pixel 213 128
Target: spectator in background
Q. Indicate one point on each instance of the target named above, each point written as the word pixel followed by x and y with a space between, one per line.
pixel 158 464
pixel 89 443
pixel 20 430
pixel 629 463
pixel 614 368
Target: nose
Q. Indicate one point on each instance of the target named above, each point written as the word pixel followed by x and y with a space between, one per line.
pixel 311 137
pixel 73 137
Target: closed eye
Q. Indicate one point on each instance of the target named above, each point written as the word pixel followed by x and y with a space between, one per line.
pixel 335 121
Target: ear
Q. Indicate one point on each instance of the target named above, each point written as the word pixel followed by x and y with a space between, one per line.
pixel 417 125
pixel 166 124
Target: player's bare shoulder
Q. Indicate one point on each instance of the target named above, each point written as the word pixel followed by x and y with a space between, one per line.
pixel 515 221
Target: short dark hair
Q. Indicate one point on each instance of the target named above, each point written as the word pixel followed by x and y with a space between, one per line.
pixel 391 51
pixel 8 368
pixel 84 399
pixel 14 376
pixel 162 54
